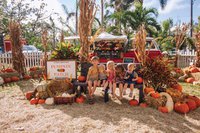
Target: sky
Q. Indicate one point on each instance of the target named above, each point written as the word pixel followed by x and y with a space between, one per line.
pixel 178 10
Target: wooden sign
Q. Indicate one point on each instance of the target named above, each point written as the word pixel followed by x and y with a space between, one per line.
pixel 61 69
pixel 128 60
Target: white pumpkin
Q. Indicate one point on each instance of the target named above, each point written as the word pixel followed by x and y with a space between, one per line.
pixel 1 81
pixel 49 101
pixel 170 103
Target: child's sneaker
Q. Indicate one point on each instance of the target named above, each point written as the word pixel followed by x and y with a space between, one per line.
pixel 131 94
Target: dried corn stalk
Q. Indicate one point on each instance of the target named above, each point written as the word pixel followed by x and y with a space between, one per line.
pixel 140 45
pixel 62 37
pixel 44 43
pixel 87 13
pixel 179 38
pixel 17 55
pixel 197 37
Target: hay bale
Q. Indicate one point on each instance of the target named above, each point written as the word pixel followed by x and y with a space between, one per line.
pixel 155 102
pixel 58 87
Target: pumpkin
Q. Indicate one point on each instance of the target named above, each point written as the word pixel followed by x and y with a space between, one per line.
pixel 139 80
pixel 49 101
pixel 191 104
pixel 163 109
pixel 29 95
pixel 155 95
pixel 133 102
pixel 79 100
pixel 81 78
pixel 148 89
pixel 169 104
pixel 41 101
pixel 34 101
pixel 196 99
pixel 15 78
pixel 144 105
pixel 194 70
pixel 26 77
pixel 181 107
pixel 190 80
pixel 7 80
pixel 177 87
pixel 9 70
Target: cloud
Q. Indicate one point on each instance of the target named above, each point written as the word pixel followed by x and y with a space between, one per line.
pixel 150 3
pixel 173 5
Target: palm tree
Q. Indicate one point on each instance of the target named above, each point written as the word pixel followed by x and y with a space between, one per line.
pixel 143 16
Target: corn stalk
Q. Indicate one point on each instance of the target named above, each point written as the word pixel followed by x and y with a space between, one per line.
pixel 179 38
pixel 140 45
pixel 197 38
pixel 44 43
pixel 62 37
pixel 87 13
pixel 17 55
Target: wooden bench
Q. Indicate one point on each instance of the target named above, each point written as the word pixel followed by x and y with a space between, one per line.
pixel 82 86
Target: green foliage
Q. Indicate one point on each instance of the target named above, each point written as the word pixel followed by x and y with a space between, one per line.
pixel 65 51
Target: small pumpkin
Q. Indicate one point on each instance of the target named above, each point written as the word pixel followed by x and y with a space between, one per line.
pixel 196 99
pixel 9 70
pixel 81 78
pixel 144 105
pixel 181 107
pixel 139 80
pixel 155 95
pixel 29 95
pixel 191 104
pixel 163 109
pixel 14 79
pixel 133 102
pixel 41 101
pixel 148 89
pixel 194 70
pixel 190 80
pixel 26 77
pixel 34 101
pixel 177 87
pixel 49 101
pixel 79 100
pixel 7 80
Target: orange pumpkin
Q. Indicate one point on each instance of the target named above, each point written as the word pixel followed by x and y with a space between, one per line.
pixel 7 80
pixel 194 70
pixel 34 101
pixel 81 78
pixel 190 80
pixel 155 95
pixel 196 99
pixel 144 105
pixel 80 100
pixel 133 102
pixel 41 101
pixel 9 70
pixel 15 78
pixel 29 95
pixel 177 87
pixel 181 108
pixel 191 104
pixel 148 89
pixel 26 77
pixel 139 80
pixel 163 109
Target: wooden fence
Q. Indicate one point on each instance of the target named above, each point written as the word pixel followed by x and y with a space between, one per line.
pixel 186 57
pixel 31 59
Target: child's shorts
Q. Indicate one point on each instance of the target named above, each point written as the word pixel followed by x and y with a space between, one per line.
pixel 130 82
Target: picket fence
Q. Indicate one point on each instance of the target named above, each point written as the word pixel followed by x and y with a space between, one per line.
pixel 31 59
pixel 186 58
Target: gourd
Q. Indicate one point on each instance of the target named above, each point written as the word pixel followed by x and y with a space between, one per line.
pixel 169 104
pixel 49 101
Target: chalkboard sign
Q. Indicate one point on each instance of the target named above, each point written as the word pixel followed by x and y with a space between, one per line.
pixel 128 60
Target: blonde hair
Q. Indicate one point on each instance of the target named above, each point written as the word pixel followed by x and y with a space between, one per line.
pixel 131 64
pixel 101 66
pixel 95 58
pixel 110 63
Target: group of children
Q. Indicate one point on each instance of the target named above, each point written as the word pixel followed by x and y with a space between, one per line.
pixel 110 77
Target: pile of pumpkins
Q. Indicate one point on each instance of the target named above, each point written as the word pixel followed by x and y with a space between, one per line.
pixel 190 103
pixel 10 76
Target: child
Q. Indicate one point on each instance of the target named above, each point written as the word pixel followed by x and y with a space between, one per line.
pixel 102 76
pixel 130 78
pixel 111 77
pixel 120 74
pixel 92 76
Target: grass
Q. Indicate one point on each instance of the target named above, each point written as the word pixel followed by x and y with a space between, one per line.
pixel 191 89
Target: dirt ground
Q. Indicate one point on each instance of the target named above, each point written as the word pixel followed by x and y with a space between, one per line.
pixel 17 115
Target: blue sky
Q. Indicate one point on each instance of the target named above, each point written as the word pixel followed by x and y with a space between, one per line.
pixel 178 10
